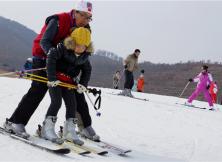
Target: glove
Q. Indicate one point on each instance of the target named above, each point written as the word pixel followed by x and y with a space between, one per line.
pixel 52 51
pixel 190 80
pixel 53 83
pixel 125 66
pixel 208 87
pixel 215 90
pixel 81 88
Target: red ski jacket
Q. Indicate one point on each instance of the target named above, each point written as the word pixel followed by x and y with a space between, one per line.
pixel 66 22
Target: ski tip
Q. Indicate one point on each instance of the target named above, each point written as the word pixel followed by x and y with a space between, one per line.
pixel 127 151
pixel 103 153
pixel 124 153
pixel 62 151
pixel 84 153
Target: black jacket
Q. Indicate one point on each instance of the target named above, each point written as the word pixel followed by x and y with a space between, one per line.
pixel 62 60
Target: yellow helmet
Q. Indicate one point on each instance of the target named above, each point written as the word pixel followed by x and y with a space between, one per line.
pixel 81 36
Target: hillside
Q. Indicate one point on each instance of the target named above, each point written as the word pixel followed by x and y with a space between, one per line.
pixel 157 131
pixel 16 44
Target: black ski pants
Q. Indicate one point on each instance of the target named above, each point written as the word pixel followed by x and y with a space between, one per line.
pixel 73 102
pixel 83 109
pixel 57 94
pixel 32 98
pixel 129 79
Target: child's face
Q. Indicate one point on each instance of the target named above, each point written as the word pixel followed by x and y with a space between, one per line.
pixel 80 49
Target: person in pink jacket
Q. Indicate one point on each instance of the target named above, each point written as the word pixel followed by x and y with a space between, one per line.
pixel 203 80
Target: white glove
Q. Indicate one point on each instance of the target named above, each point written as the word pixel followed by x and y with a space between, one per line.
pixel 81 88
pixel 215 90
pixel 53 83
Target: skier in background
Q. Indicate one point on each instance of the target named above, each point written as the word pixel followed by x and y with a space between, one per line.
pixel 140 82
pixel 130 65
pixel 203 80
pixel 213 91
pixel 28 64
pixel 116 79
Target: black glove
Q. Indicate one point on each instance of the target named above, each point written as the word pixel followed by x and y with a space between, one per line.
pixel 190 80
pixel 94 91
pixel 208 87
pixel 125 66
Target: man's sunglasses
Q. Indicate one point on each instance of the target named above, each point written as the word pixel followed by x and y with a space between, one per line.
pixel 89 18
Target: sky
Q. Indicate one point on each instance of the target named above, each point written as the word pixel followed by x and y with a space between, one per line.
pixel 164 31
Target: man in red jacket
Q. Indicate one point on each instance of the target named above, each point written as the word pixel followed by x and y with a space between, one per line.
pixel 56 28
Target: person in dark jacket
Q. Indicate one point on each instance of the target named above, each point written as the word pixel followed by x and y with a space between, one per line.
pixel 56 29
pixel 130 65
pixel 28 64
pixel 62 65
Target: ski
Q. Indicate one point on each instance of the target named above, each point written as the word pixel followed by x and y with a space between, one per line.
pixel 76 148
pixel 60 151
pixel 119 150
pixel 137 98
pixel 143 99
pixel 192 106
pixel 86 146
pixel 113 148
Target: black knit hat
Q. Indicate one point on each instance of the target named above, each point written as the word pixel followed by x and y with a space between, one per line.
pixel 137 50
pixel 142 71
pixel 205 67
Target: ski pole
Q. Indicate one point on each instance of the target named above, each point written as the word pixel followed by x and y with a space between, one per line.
pixel 21 71
pixel 44 80
pixel 184 89
pixel 94 105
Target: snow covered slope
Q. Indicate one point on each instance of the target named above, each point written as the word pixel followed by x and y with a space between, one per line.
pixel 157 130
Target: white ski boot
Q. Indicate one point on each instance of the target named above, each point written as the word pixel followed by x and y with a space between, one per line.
pixel 129 94
pixel 212 108
pixel 48 130
pixel 188 104
pixel 17 129
pixel 124 92
pixel 69 132
pixel 90 133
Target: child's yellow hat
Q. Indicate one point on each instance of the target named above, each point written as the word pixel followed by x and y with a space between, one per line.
pixel 81 36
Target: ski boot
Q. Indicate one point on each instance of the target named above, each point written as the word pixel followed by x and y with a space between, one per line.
pixel 90 133
pixel 48 130
pixel 17 129
pixel 69 132
pixel 212 108
pixel 124 92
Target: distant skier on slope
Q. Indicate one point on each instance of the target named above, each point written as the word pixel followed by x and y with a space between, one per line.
pixel 116 79
pixel 28 64
pixel 204 80
pixel 130 65
pixel 213 91
pixel 140 82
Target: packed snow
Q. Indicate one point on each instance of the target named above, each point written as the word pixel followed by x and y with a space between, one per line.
pixel 157 130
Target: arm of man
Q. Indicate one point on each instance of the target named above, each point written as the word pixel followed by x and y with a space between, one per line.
pixel 126 61
pixel 46 42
